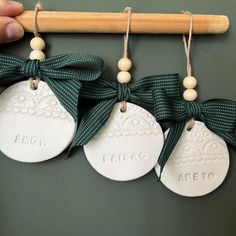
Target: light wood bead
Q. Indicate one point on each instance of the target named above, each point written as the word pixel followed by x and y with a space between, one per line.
pixel 37 43
pixel 190 95
pixel 124 64
pixel 190 82
pixel 37 55
pixel 123 77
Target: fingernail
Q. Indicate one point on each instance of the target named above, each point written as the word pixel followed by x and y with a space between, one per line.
pixel 13 31
pixel 15 3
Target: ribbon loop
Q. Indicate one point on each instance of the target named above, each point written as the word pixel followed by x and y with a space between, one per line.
pixel 31 68
pixel 123 92
pixel 193 109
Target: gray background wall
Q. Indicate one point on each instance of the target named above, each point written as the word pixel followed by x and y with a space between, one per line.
pixel 67 197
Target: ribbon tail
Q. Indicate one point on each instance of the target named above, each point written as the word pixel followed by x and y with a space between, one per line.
pixel 10 69
pixel 172 139
pixel 92 122
pixel 67 92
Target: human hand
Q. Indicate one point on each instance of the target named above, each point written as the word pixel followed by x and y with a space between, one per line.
pixel 10 29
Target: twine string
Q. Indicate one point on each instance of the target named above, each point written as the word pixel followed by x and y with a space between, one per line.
pixel 127 10
pixel 34 82
pixel 187 43
pixel 38 7
pixel 187 49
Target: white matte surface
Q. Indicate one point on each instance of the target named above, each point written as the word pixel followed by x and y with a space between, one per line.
pixel 128 146
pixel 198 164
pixel 34 126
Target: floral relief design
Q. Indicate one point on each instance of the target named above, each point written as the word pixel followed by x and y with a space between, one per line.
pixel 135 121
pixel 20 99
pixel 198 145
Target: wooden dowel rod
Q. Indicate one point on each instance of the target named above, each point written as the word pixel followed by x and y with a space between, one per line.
pixel 141 23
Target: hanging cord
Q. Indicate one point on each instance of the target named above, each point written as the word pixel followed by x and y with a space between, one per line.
pixel 127 10
pixel 187 49
pixel 34 82
pixel 187 45
pixel 38 7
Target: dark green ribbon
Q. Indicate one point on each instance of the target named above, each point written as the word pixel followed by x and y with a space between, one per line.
pixel 62 73
pixel 219 116
pixel 144 92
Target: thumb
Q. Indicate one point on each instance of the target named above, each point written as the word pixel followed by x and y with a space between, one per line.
pixel 10 30
pixel 10 8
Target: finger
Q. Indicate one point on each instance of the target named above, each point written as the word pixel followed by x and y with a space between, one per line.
pixel 10 30
pixel 10 8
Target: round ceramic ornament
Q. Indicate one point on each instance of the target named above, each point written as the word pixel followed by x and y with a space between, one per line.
pixel 199 163
pixel 34 126
pixel 128 145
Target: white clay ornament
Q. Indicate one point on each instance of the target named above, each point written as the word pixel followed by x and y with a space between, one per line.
pixel 198 164
pixel 128 145
pixel 200 160
pixel 34 126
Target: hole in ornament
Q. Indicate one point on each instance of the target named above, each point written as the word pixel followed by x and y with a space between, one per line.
pixel 190 125
pixel 33 86
pixel 189 128
pixel 123 106
pixel 33 82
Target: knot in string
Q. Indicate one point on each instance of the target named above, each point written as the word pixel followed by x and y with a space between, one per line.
pixel 31 68
pixel 123 92
pixel 193 109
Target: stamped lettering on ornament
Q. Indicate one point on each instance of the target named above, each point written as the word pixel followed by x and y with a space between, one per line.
pixel 123 157
pixel 197 176
pixel 33 141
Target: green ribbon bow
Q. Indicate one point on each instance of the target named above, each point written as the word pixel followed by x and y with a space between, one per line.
pixel 219 116
pixel 144 92
pixel 62 73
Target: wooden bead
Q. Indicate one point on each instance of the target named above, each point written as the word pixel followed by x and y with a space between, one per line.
pixel 123 77
pixel 190 82
pixel 125 64
pixel 190 94
pixel 37 55
pixel 37 43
